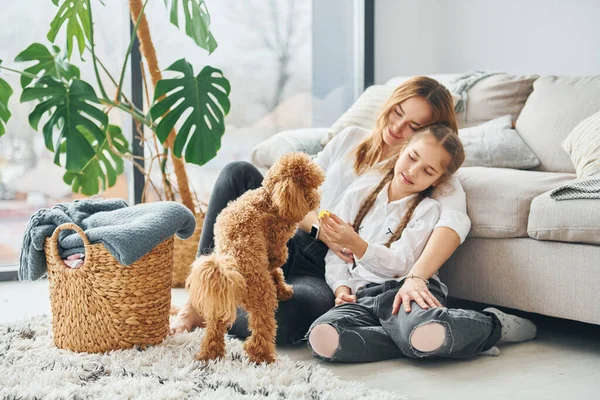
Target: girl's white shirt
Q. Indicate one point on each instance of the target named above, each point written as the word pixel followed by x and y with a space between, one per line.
pixel 380 263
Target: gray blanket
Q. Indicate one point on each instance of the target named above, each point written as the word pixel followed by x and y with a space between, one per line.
pixel 581 189
pixel 461 85
pixel 128 233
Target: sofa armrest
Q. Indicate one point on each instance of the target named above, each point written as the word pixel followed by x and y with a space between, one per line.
pixel 268 151
pixel 571 221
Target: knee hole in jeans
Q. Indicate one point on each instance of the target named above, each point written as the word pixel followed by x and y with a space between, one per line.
pixel 324 340
pixel 428 337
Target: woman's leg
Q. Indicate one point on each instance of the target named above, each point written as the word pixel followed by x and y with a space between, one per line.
pixel 351 333
pixel 233 181
pixel 312 298
pixel 439 332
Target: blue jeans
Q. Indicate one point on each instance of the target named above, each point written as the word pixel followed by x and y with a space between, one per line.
pixel 304 269
pixel 369 332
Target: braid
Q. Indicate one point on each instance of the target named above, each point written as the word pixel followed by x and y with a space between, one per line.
pixel 408 215
pixel 368 203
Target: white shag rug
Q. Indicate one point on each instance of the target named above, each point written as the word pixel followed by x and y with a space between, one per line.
pixel 31 367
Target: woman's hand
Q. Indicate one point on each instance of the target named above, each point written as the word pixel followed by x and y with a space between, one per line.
pixel 341 251
pixel 343 294
pixel 414 289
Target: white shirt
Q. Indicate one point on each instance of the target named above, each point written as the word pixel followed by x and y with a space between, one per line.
pixel 380 263
pixel 337 161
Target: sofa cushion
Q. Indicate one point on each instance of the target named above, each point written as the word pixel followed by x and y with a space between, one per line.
pixel 267 152
pixel 496 144
pixel 583 146
pixel 495 96
pixel 498 199
pixel 555 107
pixel 575 220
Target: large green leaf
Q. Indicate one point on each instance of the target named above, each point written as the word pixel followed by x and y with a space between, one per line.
pixel 102 170
pixel 71 112
pixel 48 63
pixel 206 96
pixel 197 21
pixel 5 93
pixel 75 14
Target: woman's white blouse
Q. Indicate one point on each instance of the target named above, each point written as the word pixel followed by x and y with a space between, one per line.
pixel 337 161
pixel 380 263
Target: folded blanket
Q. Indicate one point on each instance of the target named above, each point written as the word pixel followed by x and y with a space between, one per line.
pixel 43 223
pixel 581 189
pixel 128 233
pixel 461 85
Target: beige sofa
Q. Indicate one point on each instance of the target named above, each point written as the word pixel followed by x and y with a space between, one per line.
pixel 525 250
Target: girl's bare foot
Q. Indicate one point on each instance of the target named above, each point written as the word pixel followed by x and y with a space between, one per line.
pixel 187 319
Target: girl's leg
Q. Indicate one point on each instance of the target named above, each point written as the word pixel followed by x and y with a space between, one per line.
pixel 440 332
pixel 514 329
pixel 312 298
pixel 234 180
pixel 351 333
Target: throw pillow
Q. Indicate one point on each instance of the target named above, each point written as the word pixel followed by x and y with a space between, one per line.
pixel 494 96
pixel 496 144
pixel 556 105
pixel 583 146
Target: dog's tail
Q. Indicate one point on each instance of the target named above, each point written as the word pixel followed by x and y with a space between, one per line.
pixel 213 284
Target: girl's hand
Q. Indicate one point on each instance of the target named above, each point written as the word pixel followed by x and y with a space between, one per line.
pixel 339 232
pixel 414 290
pixel 344 298
pixel 343 294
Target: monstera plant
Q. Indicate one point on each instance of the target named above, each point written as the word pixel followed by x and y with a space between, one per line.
pixel 73 116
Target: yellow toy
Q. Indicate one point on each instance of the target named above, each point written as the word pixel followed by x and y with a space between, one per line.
pixel 323 213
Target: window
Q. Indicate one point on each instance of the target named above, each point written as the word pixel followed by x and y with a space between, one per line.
pixel 291 65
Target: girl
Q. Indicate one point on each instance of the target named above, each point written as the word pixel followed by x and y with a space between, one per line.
pixel 354 152
pixel 391 226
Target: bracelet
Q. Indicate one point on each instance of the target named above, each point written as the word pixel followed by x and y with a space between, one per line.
pixel 418 277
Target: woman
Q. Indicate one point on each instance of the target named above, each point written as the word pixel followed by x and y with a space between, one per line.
pixel 417 103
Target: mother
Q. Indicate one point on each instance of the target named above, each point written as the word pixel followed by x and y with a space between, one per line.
pixel 416 103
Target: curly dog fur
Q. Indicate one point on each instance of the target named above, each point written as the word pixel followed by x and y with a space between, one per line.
pixel 251 236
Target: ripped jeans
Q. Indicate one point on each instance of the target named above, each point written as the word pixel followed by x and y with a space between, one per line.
pixel 369 332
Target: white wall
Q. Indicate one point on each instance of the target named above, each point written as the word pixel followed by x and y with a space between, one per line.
pixel 559 37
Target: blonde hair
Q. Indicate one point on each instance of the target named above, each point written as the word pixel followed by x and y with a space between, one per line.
pixel 369 151
pixel 444 136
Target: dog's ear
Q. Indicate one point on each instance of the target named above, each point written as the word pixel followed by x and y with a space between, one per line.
pixel 290 199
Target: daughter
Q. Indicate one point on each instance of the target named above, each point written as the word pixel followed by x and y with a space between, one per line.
pixel 391 226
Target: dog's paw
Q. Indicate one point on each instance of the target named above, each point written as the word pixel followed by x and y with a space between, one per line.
pixel 260 357
pixel 258 354
pixel 284 292
pixel 212 354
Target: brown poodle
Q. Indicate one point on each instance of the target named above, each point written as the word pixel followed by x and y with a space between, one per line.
pixel 251 237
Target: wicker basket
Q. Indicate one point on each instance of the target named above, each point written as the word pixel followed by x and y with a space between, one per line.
pixel 104 305
pixel 185 253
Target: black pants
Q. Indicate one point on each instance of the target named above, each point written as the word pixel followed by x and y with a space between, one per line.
pixel 304 269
